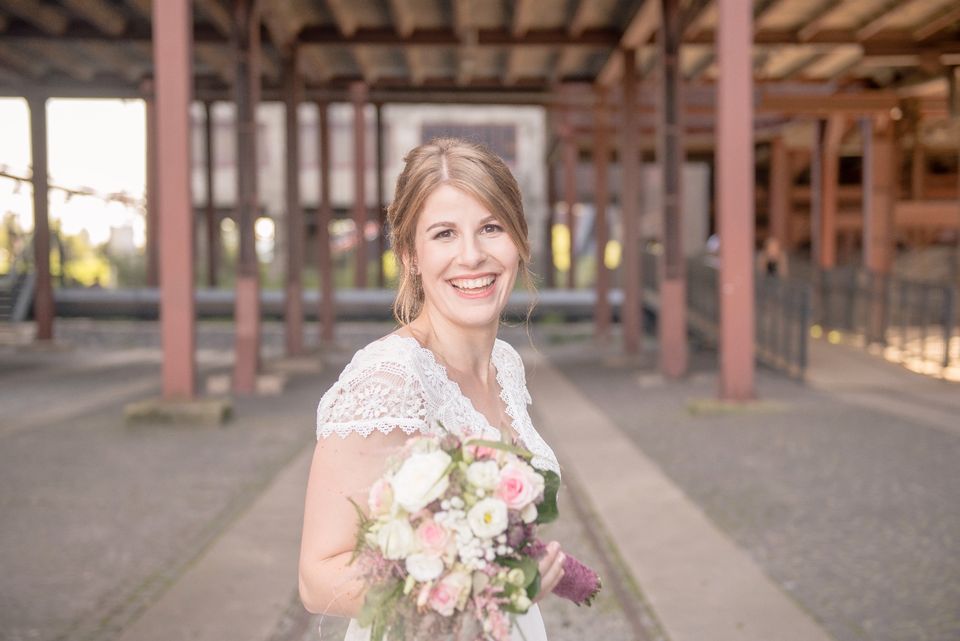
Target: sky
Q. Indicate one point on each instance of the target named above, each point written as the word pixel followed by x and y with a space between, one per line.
pixel 97 144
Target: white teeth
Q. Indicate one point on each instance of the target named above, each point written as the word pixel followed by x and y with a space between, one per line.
pixel 473 283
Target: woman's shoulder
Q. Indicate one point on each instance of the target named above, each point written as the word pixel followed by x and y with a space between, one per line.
pixel 391 352
pixel 378 389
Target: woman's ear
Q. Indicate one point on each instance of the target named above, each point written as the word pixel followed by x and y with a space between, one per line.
pixel 409 263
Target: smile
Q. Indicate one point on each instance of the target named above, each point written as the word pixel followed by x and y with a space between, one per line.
pixel 474 287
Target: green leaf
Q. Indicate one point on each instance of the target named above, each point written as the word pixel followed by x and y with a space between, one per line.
pixel 547 510
pixel 378 603
pixel 363 521
pixel 499 445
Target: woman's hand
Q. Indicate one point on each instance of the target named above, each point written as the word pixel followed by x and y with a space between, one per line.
pixel 551 569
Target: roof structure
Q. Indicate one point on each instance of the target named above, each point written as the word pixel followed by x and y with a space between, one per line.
pixel 484 46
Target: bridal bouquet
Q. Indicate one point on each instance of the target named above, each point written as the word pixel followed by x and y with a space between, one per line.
pixel 450 547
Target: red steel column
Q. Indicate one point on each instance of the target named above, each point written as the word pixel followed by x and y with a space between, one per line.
pixel 829 188
pixel 172 43
pixel 381 207
pixel 293 300
pixel 672 325
pixel 735 198
pixel 569 147
pixel 601 162
pixel 358 95
pixel 212 221
pixel 246 41
pixel 153 197
pixel 780 186
pixel 918 167
pixel 43 310
pixel 878 202
pixel 631 312
pixel 324 262
pixel 549 272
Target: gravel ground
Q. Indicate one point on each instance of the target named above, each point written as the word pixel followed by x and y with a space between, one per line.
pixel 852 511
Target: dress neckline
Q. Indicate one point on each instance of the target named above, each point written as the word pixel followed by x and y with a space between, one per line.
pixel 498 371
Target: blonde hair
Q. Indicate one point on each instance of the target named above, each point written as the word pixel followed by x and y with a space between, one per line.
pixel 474 170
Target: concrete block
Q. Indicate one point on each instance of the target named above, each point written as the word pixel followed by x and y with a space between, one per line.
pixel 271 384
pixel 309 364
pixel 199 411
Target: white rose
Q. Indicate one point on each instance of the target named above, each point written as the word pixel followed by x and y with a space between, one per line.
pixel 488 517
pixel 484 474
pixel 529 513
pixel 424 567
pixel 396 539
pixel 421 479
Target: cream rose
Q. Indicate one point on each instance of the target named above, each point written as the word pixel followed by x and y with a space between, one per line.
pixel 484 474
pixel 421 479
pixel 381 498
pixel 488 518
pixel 396 539
pixel 424 567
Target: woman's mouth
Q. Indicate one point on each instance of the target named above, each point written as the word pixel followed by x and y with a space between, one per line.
pixel 474 287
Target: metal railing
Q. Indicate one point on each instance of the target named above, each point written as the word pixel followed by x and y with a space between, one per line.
pixel 918 320
pixel 781 308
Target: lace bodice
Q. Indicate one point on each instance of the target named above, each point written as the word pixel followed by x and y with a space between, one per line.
pixel 395 382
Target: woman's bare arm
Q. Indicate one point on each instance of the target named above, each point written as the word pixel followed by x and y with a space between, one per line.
pixel 342 468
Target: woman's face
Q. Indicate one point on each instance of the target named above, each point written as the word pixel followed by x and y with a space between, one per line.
pixel 466 259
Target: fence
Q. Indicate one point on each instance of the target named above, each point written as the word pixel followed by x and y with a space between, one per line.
pixel 916 320
pixel 782 312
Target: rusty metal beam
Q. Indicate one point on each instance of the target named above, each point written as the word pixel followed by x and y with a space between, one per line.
pixel 935 25
pixel 402 17
pixel 672 320
pixel 520 20
pixel 882 18
pixel 101 14
pixel 639 30
pixel 345 21
pixel 815 23
pixel 578 21
pixel 863 102
pixel 465 53
pixel 216 14
pixel 20 62
pixel 49 19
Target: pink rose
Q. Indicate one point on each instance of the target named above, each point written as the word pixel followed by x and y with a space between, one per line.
pixel 451 593
pixel 481 452
pixel 433 537
pixel 519 485
pixel 443 598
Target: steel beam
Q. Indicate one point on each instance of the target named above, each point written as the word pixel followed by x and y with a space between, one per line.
pixel 172 56
pixel 735 199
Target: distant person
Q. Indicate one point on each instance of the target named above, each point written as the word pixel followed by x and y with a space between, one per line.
pixel 772 260
pixel 459 230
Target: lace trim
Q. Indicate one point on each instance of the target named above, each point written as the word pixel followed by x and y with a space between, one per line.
pixel 396 382
pixel 513 391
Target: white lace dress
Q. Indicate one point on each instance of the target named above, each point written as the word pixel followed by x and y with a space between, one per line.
pixel 396 383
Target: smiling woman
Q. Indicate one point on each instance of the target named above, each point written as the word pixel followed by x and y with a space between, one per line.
pixel 459 233
pixel 458 197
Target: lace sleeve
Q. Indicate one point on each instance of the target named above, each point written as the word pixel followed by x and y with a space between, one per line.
pixel 517 372
pixel 382 396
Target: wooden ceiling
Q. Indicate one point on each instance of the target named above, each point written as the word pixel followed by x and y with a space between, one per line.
pixel 495 48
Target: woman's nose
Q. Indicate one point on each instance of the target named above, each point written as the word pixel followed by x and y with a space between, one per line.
pixel 471 251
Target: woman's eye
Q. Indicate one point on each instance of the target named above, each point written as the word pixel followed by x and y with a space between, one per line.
pixel 492 228
pixel 443 234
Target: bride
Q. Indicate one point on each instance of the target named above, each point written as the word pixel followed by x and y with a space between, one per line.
pixel 458 227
